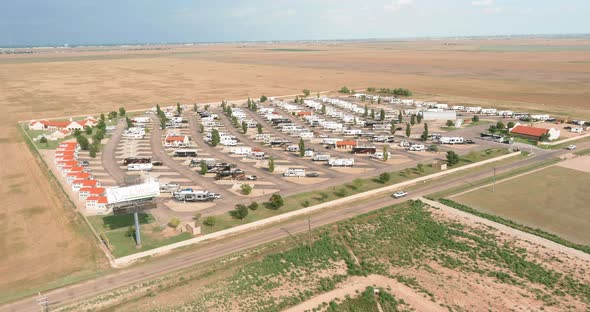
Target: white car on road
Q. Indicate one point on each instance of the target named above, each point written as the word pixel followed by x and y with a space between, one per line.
pixel 571 147
pixel 399 194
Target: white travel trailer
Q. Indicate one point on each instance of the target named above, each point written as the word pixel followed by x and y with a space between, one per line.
pixel 331 141
pixel 321 157
pixel 417 148
pixel 306 135
pixel 139 167
pixel 379 155
pixel 458 107
pixel 488 111
pixel 451 140
pixel 242 150
pixel 473 109
pixel 292 148
pixel 227 141
pixel 140 119
pixel 341 162
pixel 353 132
pixel 294 172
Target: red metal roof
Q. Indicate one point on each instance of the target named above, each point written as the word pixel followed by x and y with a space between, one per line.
pixel 346 143
pixel 526 130
pixel 87 183
pixel 79 175
pixel 172 138
pixel 93 190
pixel 98 199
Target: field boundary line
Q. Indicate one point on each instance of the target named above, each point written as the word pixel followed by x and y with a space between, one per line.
pixel 509 230
pixel 49 172
pixel 501 181
pixel 278 218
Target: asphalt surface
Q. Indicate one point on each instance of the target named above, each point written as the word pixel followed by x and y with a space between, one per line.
pixel 109 162
pixel 215 249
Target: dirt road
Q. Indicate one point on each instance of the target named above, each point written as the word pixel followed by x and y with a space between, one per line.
pixel 108 155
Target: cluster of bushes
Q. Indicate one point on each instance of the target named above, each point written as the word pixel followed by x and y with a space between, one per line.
pixel 396 91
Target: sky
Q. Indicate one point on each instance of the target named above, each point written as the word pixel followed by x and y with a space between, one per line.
pixel 58 22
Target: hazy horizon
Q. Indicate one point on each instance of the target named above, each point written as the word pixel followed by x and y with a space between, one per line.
pixel 40 23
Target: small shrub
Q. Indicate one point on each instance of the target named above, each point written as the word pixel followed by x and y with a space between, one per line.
pixel 210 221
pixel 174 222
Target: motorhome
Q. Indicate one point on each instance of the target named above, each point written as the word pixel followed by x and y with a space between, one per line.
pixel 292 148
pixel 190 195
pixel 242 150
pixel 185 153
pixel 169 187
pixel 417 148
pixel 308 153
pixel 306 135
pixel 352 132
pixel 294 172
pixel 364 150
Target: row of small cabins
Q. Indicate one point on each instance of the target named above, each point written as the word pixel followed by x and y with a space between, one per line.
pixel 80 178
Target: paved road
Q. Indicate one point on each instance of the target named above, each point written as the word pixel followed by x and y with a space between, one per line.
pixel 108 155
pixel 212 250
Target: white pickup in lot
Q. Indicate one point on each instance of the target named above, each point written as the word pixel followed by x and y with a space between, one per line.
pixel 399 194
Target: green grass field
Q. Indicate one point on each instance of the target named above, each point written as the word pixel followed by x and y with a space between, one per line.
pixel 554 199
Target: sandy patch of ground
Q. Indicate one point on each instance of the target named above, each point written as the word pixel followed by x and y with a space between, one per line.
pixel 188 206
pixel 230 182
pixel 563 133
pixel 305 180
pixel 581 163
pixel 397 159
pixel 255 192
pixel 352 170
pixel 356 284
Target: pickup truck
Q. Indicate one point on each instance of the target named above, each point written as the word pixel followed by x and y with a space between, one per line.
pixel 399 194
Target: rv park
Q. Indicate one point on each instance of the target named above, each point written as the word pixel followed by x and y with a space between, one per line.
pixel 223 169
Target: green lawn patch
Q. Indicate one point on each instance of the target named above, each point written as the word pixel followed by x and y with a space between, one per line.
pixel 111 222
pixel 122 244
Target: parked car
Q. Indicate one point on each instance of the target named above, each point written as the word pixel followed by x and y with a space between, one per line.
pixel 213 196
pixel 399 194
pixel 252 178
pixel 157 163
pixel 312 174
pixel 469 142
pixel 84 163
pixel 571 147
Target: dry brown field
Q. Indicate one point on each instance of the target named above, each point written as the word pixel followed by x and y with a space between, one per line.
pixel 40 240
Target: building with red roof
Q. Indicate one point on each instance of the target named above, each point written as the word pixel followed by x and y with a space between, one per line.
pixel 78 184
pixel 534 133
pixel 85 192
pixel 97 204
pixel 177 141
pixel 346 144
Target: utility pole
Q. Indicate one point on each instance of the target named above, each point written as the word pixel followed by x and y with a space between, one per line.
pixel 494 184
pixel 309 229
pixel 291 235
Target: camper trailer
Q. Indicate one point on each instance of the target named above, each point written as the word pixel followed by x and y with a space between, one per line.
pixel 294 172
pixel 321 157
pixel 364 150
pixel 185 153
pixel 451 140
pixel 140 167
pixel 341 162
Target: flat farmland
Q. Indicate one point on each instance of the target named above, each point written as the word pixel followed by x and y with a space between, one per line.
pixel 554 199
pixel 39 225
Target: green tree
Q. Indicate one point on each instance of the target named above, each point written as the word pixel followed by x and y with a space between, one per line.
pixel 263 99
pixel 207 107
pixel 413 120
pixel 102 118
pixel 122 111
pixel 249 103
pixel 43 140
pixel 178 108
pixel 234 121
pixel 510 125
pixel 201 128
pixel 493 129
pixel 246 189
pixel 195 107
pixel 83 141
pixel 500 125
pixel 323 109
pixel 384 177
pixel 306 92
pixel 253 205
pixel 544 137
pixel 174 222
pixel 475 118
pixel 408 130
pixel 301 147
pixel 424 136
pixel 254 106
pixel 239 212
pixel 450 123
pixel 244 127
pixel 318 95
pixel 88 130
pixel 371 89
pixel 204 168
pixel 301 101
pixel 215 138
pixel 433 148
pixel 112 115
pixel 419 118
pixel 420 167
pixel 385 153
pixel 400 117
pixel 372 113
pixel 129 122
pixel 452 158
pixel 363 98
pixel 344 90
pixel 197 217
pixel 259 128
pixel 392 127
pixel 379 100
pixel 92 150
pixel 275 202
pixel 382 115
pixel 366 113
pixel 271 164
pixel 210 221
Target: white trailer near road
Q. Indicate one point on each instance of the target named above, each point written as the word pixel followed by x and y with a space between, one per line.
pixel 241 150
pixel 140 167
pixel 451 140
pixel 294 172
